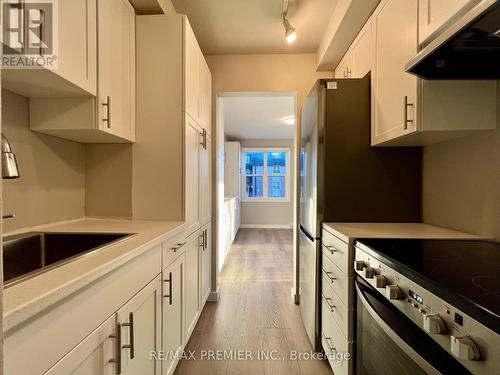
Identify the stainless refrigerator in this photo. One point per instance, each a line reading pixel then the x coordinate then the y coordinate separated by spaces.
pixel 344 179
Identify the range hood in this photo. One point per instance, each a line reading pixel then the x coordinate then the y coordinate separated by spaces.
pixel 467 48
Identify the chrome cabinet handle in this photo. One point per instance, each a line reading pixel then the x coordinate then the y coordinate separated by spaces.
pixel 108 111
pixel 329 343
pixel 205 239
pixel 118 349
pixel 349 73
pixel 202 238
pixel 130 325
pixel 405 110
pixel 169 295
pixel 331 249
pixel 329 275
pixel 328 302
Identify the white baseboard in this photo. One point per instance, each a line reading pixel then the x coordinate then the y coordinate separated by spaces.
pixel 267 226
pixel 214 296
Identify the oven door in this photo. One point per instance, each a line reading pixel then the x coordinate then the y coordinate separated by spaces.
pixel 387 342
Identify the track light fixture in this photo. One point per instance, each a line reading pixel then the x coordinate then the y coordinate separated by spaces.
pixel 290 32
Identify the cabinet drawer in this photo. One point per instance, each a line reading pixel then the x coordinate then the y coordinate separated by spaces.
pixel 337 250
pixel 338 310
pixel 337 280
pixel 172 248
pixel 335 345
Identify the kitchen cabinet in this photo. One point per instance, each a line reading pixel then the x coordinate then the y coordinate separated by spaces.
pixel 173 329
pixel 435 13
pixel 408 111
pixel 205 186
pixel 344 69
pixel 361 52
pixel 96 355
pixel 191 73
pixel 192 282
pixel 394 100
pixel 192 174
pixel 75 75
pixel 109 117
pixel 140 324
pixel 205 96
pixel 205 267
pixel 116 84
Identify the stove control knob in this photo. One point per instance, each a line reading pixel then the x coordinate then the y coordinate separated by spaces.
pixel 464 348
pixel 359 265
pixel 368 272
pixel 393 292
pixel 434 325
pixel 380 281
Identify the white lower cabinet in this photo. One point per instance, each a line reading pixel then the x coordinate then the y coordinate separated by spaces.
pixel 192 282
pixel 122 344
pixel 139 321
pixel 204 270
pixel 93 356
pixel 173 332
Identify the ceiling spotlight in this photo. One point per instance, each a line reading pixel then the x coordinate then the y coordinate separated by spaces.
pixel 288 120
pixel 290 32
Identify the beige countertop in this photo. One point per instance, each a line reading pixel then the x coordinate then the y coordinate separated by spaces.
pixel 27 298
pixel 396 230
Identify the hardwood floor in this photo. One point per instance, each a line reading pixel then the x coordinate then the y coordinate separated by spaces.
pixel 255 313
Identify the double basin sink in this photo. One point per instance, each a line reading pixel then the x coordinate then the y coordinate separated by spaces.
pixel 29 254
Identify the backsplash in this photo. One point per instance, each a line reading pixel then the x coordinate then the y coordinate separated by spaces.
pixel 461 184
pixel 52 183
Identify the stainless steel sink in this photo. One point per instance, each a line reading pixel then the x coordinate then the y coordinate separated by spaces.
pixel 29 254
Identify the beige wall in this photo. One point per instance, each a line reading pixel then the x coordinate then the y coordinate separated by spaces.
pixel 461 184
pixel 269 213
pixel 52 183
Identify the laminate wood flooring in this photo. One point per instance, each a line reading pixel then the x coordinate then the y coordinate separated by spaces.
pixel 254 313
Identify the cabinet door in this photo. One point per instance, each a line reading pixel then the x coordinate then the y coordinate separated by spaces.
pixel 173 330
pixel 192 282
pixel 205 250
pixel 116 68
pixel 394 91
pixel 191 73
pixel 341 69
pixel 205 182
pixel 140 324
pixel 192 175
pixel 93 356
pixel 362 52
pixel 77 53
pixel 434 13
pixel 205 95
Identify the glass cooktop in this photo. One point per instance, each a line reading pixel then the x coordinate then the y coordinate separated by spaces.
pixel 469 270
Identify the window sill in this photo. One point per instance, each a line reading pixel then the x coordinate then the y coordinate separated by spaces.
pixel 266 200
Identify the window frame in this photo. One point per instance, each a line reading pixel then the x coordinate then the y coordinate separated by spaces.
pixel 265 176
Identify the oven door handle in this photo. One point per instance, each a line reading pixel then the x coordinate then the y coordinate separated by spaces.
pixel 424 365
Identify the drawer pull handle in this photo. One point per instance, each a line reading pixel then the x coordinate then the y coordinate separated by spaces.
pixel 328 302
pixel 118 352
pixel 329 275
pixel 169 295
pixel 329 343
pixel 130 325
pixel 332 249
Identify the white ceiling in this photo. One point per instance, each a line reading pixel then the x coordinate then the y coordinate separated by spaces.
pixel 254 26
pixel 258 117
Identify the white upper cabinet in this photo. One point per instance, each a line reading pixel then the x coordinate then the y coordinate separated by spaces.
pixel 205 180
pixel 434 13
pixel 192 63
pixel 193 140
pixel 205 95
pixel 344 69
pixel 116 84
pixel 361 51
pixel 109 117
pixel 75 75
pixel 394 99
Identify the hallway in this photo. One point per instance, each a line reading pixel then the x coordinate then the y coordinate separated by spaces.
pixel 254 312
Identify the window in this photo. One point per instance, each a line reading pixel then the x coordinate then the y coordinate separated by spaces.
pixel 266 174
